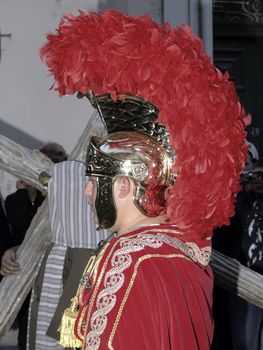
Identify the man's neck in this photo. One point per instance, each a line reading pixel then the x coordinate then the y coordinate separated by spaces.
pixel 140 222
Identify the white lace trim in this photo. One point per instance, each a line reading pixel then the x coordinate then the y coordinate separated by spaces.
pixel 114 278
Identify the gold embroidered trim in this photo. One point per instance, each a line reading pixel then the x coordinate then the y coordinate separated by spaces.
pixel 201 255
pixel 191 249
pixel 113 281
pixel 159 230
pixel 94 271
pixel 89 268
pixel 68 338
pixel 93 297
pixel 114 277
pixel 140 260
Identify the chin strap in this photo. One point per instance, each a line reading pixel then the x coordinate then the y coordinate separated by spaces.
pixel 104 205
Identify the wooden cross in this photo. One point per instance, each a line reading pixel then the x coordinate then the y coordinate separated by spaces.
pixel 8 35
pixel 27 165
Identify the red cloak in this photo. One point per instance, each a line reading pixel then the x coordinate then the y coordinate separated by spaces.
pixel 152 289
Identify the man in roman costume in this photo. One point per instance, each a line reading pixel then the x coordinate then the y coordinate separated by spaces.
pixel 162 179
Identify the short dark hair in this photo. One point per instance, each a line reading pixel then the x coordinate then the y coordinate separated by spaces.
pixel 55 152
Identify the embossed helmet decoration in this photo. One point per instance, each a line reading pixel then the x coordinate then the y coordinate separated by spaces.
pixel 147 80
pixel 136 146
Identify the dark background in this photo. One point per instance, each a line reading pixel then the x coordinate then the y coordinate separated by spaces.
pixel 238 49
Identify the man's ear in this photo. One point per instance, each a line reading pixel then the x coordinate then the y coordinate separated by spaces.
pixel 123 186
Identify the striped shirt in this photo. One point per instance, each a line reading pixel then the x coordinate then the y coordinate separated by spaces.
pixel 72 225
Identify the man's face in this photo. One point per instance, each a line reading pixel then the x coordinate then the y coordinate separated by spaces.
pixel 91 194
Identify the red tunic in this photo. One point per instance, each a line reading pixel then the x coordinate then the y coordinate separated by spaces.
pixel 152 290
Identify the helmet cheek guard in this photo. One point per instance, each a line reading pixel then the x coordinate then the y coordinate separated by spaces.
pixel 137 156
pixel 104 203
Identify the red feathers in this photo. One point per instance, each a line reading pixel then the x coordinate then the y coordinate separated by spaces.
pixel 113 52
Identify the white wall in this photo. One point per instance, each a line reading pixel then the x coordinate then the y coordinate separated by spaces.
pixel 25 100
pixel 197 13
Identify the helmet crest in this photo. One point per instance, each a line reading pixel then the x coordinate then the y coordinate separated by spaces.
pixel 117 54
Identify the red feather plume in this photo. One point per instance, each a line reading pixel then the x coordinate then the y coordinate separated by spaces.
pixel 113 52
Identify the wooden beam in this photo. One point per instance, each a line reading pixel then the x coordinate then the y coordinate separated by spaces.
pixel 27 165
pixel 238 279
